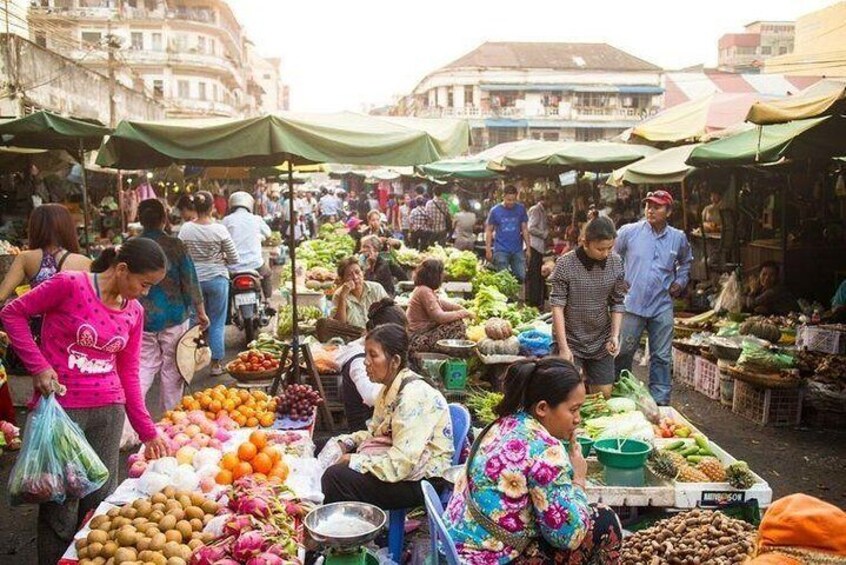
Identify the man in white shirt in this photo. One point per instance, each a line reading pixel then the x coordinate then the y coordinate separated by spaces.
pixel 538 233
pixel 248 231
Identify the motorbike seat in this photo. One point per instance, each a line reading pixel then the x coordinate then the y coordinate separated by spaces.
pixel 245 272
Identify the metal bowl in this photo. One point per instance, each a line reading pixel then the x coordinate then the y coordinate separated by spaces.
pixel 318 522
pixel 456 346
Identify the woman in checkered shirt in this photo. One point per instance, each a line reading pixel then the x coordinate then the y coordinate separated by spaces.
pixel 588 288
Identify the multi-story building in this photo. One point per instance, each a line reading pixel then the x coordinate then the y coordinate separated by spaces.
pixel 191 55
pixel 267 75
pixel 820 45
pixel 550 91
pixel 746 52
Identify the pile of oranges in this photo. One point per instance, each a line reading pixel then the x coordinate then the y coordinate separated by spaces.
pixel 247 409
pixel 254 457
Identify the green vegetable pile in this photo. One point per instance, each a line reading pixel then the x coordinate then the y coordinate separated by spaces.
pixel 482 403
pixel 305 314
pixel 594 406
pixel 406 256
pixel 491 303
pixel 331 245
pixel 461 265
pixel 503 281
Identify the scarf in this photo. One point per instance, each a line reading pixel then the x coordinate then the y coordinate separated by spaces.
pixel 589 263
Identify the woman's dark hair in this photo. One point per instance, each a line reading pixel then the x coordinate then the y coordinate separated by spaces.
pixel 464 205
pixel 528 382
pixel 203 202
pixel 186 202
pixel 601 228
pixel 52 225
pixel 384 312
pixel 372 213
pixel 152 214
pixel 140 254
pixel 393 338
pixel 345 264
pixel 430 273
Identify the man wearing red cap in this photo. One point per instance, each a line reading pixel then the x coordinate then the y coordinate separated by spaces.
pixel 657 258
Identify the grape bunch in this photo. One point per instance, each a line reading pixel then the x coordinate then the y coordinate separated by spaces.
pixel 297 402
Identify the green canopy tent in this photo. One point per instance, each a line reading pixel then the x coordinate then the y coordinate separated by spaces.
pixel 473 167
pixel 554 157
pixel 45 130
pixel 297 139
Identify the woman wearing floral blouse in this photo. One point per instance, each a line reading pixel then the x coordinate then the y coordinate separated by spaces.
pixel 408 439
pixel 523 499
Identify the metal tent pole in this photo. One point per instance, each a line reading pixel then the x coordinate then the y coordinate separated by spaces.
pixel 85 218
pixel 292 249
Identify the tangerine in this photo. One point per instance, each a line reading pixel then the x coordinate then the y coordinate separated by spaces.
pixel 229 461
pixel 262 463
pixel 246 451
pixel 252 422
pixel 215 406
pixel 260 476
pixel 258 438
pixel 266 420
pixel 279 471
pixel 241 469
pixel 223 477
pixel 273 452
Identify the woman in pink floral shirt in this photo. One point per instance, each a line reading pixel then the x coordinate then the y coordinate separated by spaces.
pixel 523 498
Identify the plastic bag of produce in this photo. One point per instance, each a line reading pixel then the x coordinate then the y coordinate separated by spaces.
pixel 756 357
pixel 535 343
pixel 627 386
pixel 56 462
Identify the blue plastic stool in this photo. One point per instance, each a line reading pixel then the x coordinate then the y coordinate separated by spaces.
pixel 460 421
pixel 437 528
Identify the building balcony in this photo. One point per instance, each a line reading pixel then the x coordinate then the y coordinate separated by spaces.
pixel 191 107
pixel 204 61
pixel 592 114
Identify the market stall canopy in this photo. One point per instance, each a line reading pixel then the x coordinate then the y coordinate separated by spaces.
pixel 270 140
pixel 826 97
pixel 823 137
pixel 45 130
pixel 666 167
pixel 697 119
pixel 17 159
pixel 473 167
pixel 556 157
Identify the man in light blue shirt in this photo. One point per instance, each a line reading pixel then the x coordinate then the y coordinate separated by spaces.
pixel 248 230
pixel 657 259
pixel 331 207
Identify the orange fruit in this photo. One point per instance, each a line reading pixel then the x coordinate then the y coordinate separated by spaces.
pixel 228 405
pixel 224 477
pixel 262 463
pixel 215 406
pixel 252 422
pixel 229 461
pixel 258 438
pixel 243 409
pixel 241 419
pixel 211 415
pixel 279 471
pixel 273 452
pixel 260 476
pixel 266 420
pixel 241 469
pixel 260 394
pixel 246 451
pixel 243 395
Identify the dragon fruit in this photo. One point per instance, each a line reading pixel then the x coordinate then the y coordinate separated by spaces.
pixel 208 555
pixel 266 559
pixel 248 544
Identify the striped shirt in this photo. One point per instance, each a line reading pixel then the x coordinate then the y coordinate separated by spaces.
pixel 588 298
pixel 211 248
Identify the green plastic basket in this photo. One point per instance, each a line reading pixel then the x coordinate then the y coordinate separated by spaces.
pixel 585 442
pixel 621 453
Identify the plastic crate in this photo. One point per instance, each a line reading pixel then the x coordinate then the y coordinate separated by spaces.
pixel 707 378
pixel 767 406
pixel 331 386
pixel 683 367
pixel 824 339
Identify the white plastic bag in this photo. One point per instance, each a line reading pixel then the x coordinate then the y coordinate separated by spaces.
pixel 329 455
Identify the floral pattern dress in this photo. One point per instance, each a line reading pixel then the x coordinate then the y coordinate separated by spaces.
pixel 521 478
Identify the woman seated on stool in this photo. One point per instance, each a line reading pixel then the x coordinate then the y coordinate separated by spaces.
pixel 358 392
pixel 523 498
pixel 408 439
pixel 355 295
pixel 430 318
pixel 376 267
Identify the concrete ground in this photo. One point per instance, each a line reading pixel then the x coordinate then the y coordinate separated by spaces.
pixel 790 459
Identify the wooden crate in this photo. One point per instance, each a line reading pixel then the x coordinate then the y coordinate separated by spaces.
pixel 767 406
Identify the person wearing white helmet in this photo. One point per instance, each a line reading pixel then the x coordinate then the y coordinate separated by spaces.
pixel 248 231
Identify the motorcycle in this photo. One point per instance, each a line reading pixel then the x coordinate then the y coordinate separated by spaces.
pixel 247 308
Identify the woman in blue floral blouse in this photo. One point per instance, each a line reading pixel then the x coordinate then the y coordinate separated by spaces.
pixel 523 498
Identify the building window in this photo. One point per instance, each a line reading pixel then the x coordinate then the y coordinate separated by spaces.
pixel 468 96
pixel 201 44
pixel 183 89
pixel 589 134
pixel 450 99
pixel 212 46
pixel 41 39
pixel 766 50
pixel 137 41
pixel 202 93
pixel 158 88
pixel 90 38
pixel 782 50
pixel 157 42
pixel 215 93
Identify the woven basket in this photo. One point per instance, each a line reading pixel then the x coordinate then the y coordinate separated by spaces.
pixel 682 332
pixel 251 376
pixel 765 380
pixel 327 328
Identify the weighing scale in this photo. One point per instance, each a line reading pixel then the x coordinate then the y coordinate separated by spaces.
pixel 346 549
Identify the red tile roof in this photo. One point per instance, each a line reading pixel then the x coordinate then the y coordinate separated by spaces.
pixel 556 56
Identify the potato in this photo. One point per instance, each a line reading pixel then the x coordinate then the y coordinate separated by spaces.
pixel 177 513
pixel 143 506
pixel 80 543
pixel 97 521
pixel 210 507
pixel 110 561
pixel 156 515
pixel 186 552
pixel 126 538
pixel 105 526
pixel 143 544
pixel 85 561
pixel 98 561
pixel 171 504
pixel 207 537
pixel 97 536
pixel 173 535
pixel 125 555
pixel 128 512
pixel 109 549
pixel 194 512
pixel 196 525
pixel 94 549
pixel 172 549
pixel 82 553
pixel 184 501
pixel 158 498
pixel 194 544
pixel 159 507
pixel 158 542
pixel 113 513
pixel 197 499
pixel 120 521
pixel 207 518
pixel 145 555
pixel 167 522
pixel 169 491
pixel 159 559
pixel 176 561
pixel 184 528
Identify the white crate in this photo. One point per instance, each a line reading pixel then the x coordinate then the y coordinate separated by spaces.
pixel 824 339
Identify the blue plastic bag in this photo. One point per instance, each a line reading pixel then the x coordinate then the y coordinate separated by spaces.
pixel 56 462
pixel 535 343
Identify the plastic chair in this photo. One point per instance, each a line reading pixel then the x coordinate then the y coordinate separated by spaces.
pixel 460 420
pixel 437 528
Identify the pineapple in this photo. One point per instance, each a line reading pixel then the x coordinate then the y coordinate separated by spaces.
pixel 688 474
pixel 664 465
pixel 712 467
pixel 739 476
pixel 676 457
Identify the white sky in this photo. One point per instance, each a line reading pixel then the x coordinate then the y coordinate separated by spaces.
pixel 343 55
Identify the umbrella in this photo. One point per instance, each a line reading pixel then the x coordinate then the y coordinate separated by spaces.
pixel 45 130
pixel 697 119
pixel 296 138
pixel 668 166
pixel 555 157
pixel 824 98
pixel 822 137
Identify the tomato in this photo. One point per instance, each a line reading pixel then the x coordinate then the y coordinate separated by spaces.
pixel 266 364
pixel 243 355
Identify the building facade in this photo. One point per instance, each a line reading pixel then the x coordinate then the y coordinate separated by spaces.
pixel 746 52
pixel 820 45
pixel 549 91
pixel 193 56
